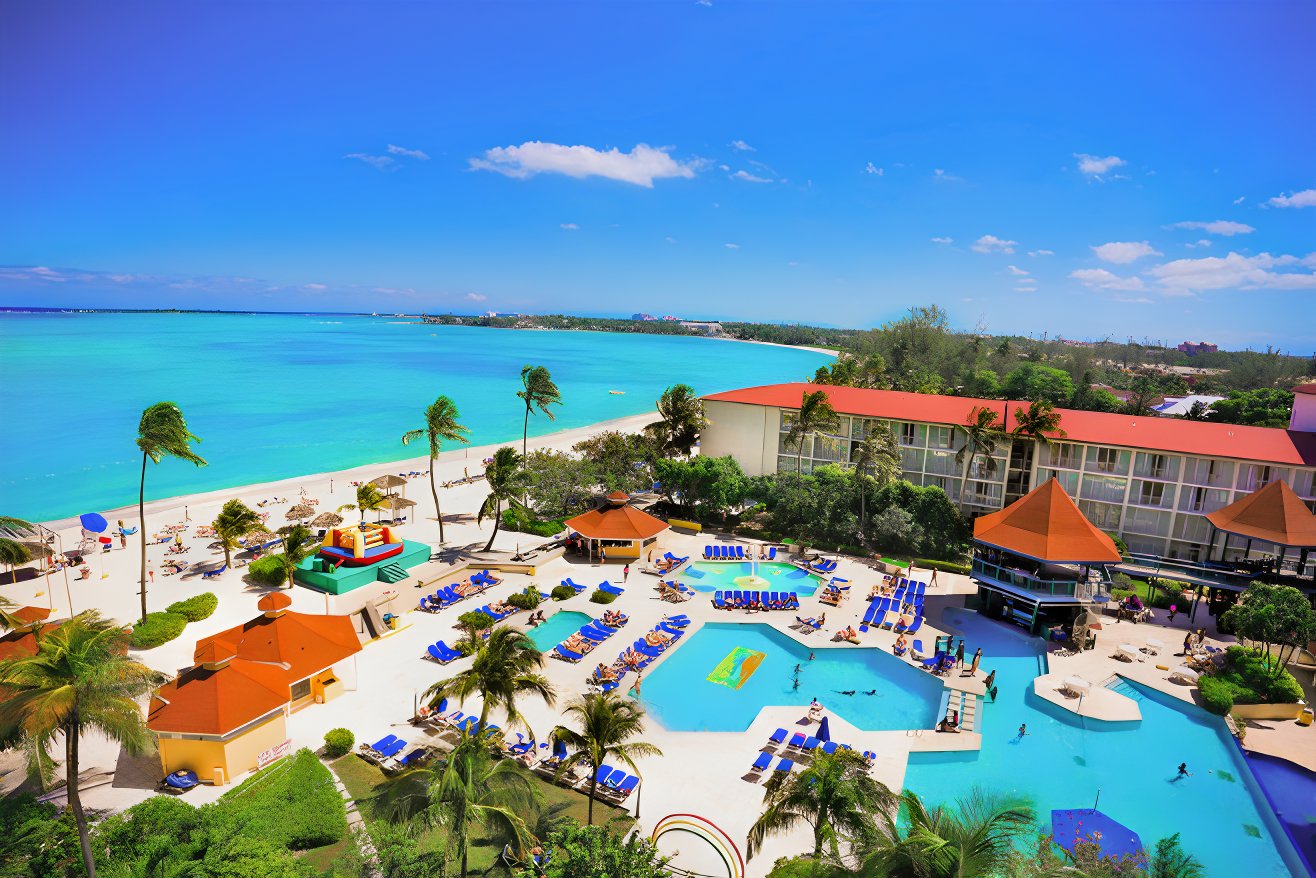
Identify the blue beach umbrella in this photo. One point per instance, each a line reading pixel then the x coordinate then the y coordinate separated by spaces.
pixel 94 522
pixel 824 731
pixel 1068 827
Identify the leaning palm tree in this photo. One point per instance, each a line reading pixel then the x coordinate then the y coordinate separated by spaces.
pixel 607 726
pixel 538 391
pixel 298 543
pixel 682 421
pixel 440 426
pixel 506 481
pixel 235 520
pixel 835 796
pixel 981 433
pixel 80 678
pixel 13 552
pixel 816 415
pixel 368 499
pixel 506 666
pixel 877 456
pixel 974 838
pixel 161 433
pixel 1039 421
pixel 468 791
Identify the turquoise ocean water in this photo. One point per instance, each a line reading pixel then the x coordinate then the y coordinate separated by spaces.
pixel 276 396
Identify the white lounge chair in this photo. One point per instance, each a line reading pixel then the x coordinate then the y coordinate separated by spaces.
pixel 1077 686
pixel 1127 651
pixel 1154 646
pixel 1185 673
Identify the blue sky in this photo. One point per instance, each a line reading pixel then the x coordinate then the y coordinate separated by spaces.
pixel 1080 169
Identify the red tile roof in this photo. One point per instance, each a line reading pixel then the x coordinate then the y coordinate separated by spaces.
pixel 1274 514
pixel 1265 444
pixel 1305 388
pixel 210 700
pixel 1046 525
pixel 306 644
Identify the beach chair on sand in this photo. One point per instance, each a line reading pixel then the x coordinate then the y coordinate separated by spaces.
pixel 566 655
pixel 777 737
pixel 210 574
pixel 442 653
pixel 916 652
pixel 608 587
pixel 761 764
pixel 785 765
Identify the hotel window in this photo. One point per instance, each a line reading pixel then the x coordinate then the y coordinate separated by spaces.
pixel 1192 528
pixel 942 463
pixel 301 689
pixel 911 460
pixel 1067 480
pixel 1156 466
pixel 1147 521
pixel 906 434
pixel 941 437
pixel 1065 455
pixel 1104 515
pixel 1108 460
pixel 1208 471
pixel 1151 494
pixel 1304 483
pixel 1107 490
pixel 1253 476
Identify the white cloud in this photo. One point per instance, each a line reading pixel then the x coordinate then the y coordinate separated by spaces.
pixel 1305 198
pixel 670 240
pixel 476 297
pixel 1124 252
pixel 1016 271
pixel 747 177
pixel 1228 228
pixel 570 227
pixel 871 168
pixel 641 166
pixel 940 175
pixel 378 162
pixel 993 244
pixel 314 287
pixel 1240 199
pixel 1105 280
pixel 732 246
pixel 1203 242
pixel 703 2
pixel 1025 289
pixel 1133 300
pixel 409 153
pixel 742 146
pixel 1236 271
pixel 942 240
pixel 1096 166
pixel 1041 253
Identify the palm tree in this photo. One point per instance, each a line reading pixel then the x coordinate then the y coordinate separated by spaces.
pixel 981 433
pixel 161 433
pixel 816 415
pixel 12 552
pixel 506 666
pixel 468 790
pixel 440 425
pixel 539 392
pixel 299 543
pixel 368 499
pixel 80 678
pixel 506 481
pixel 876 456
pixel 607 726
pixel 682 421
pixel 974 839
pixel 1040 421
pixel 835 795
pixel 234 521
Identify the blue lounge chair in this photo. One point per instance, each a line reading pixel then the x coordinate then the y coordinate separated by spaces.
pixel 810 744
pixel 211 573
pixel 761 764
pixel 565 654
pixel 785 765
pixel 627 786
pixel 772 553
pixel 441 654
pixel 596 633
pixel 383 742
pixel 675 632
pixel 416 755
pixel 918 650
pixel 811 624
pixel 393 749
pixel 918 623
pixel 614 780
pixel 604 772
pixel 933 662
pixel 740 553
pixel 777 737
pixel 718 602
pixel 796 741
pixel 830 747
pixel 611 589
pixel 679 618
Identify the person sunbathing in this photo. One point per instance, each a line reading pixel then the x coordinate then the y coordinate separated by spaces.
pixel 815 710
pixel 632 659
pixel 849 634
pixel 738 602
pixel 657 638
pixel 602 673
pixel 501 608
pixel 577 643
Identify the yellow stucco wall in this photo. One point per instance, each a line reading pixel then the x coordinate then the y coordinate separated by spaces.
pixel 219 762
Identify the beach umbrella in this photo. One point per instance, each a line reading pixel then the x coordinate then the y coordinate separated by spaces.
pixel 824 730
pixel 396 503
pixel 1068 827
pixel 94 522
pixel 327 519
pixel 388 481
pixel 259 537
pixel 298 512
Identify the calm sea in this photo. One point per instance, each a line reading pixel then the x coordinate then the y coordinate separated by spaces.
pixel 278 396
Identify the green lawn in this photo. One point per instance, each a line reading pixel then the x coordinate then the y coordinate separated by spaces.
pixel 365 782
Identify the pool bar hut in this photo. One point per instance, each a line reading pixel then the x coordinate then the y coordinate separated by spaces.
pixel 617 528
pixel 1280 521
pixel 1039 562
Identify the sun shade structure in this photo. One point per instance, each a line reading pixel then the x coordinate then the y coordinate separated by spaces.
pixel 1274 514
pixel 1046 525
pixel 1069 827
pixel 617 527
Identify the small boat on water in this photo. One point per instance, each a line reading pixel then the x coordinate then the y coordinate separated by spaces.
pixel 617 392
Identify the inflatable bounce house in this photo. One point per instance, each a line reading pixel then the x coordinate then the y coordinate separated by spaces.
pixel 351 557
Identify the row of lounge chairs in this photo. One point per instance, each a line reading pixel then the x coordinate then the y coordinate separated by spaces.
pixel 822 565
pixel 883 614
pixel 392 753
pixel 641 654
pixel 800 747
pixel 448 595
pixel 736 552
pixel 595 632
pixel 675 591
pixel 756 600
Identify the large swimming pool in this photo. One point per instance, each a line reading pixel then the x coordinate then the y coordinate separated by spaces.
pixel 754 666
pixel 721 576
pixel 1065 761
pixel 556 629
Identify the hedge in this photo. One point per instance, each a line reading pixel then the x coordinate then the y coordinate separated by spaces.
pixel 195 608
pixel 1245 680
pixel 157 628
pixel 943 566
pixel 292 804
pixel 338 742
pixel 266 571
pixel 602 597
pixel 515 519
pixel 525 600
pixel 562 592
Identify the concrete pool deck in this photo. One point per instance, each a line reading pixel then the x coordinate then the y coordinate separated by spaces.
pixel 1098 702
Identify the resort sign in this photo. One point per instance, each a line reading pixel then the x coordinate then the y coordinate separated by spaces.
pixel 274 754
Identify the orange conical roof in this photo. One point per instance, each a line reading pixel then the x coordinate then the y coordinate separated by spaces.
pixel 1274 514
pixel 1046 525
pixel 273 602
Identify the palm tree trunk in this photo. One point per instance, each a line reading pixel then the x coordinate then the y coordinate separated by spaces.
pixel 863 504
pixel 498 519
pixel 438 513
pixel 71 735
pixel 525 430
pixel 799 458
pixel 464 853
pixel 593 788
pixel 141 529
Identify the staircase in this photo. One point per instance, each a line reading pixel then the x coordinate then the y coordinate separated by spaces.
pixel 966 705
pixel 391 573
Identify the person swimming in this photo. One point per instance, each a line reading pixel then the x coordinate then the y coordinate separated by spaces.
pixel 871 692
pixel 846 691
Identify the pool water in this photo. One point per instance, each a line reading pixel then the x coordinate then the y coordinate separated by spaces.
pixel 722 575
pixel 680 695
pixel 558 628
pixel 1065 761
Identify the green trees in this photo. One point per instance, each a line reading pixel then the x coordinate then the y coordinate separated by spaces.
pixel 537 391
pixel 854 370
pixel 816 415
pixel 981 433
pixel 617 461
pixel 973 839
pixel 506 667
pixel 441 426
pixel 1276 619
pixel 682 413
pixel 235 520
pixel 709 484
pixel 608 728
pixel 1040 421
pixel 834 796
pixel 298 543
pixel 368 499
pixel 80 678
pixel 162 432
pixel 591 851
pixel 506 484
pixel 1263 407
pixel 877 457
pixel 1033 381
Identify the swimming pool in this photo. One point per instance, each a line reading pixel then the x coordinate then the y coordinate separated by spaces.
pixel 721 576
pixel 1065 761
pixel 559 626
pixel 754 667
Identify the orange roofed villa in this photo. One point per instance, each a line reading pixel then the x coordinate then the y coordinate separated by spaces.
pixel 226 715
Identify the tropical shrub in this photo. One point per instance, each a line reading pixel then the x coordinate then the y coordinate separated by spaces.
pixel 562 592
pixel 37 839
pixel 292 804
pixel 338 742
pixel 519 519
pixel 600 596
pixel 267 571
pixel 525 600
pixel 1246 679
pixel 195 608
pixel 943 566
pixel 590 851
pixel 157 628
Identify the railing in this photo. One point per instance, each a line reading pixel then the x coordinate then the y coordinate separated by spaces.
pixel 1074 588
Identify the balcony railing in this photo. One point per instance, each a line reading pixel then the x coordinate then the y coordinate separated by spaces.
pixel 1027 582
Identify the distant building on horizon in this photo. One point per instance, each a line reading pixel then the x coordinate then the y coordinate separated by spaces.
pixel 703 326
pixel 1192 349
pixel 643 317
